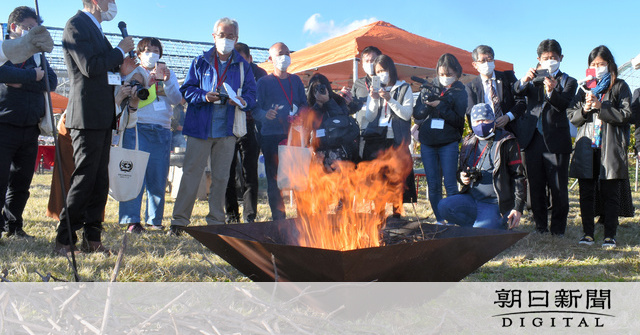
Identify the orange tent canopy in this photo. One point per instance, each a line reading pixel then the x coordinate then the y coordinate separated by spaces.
pixel 338 58
pixel 59 102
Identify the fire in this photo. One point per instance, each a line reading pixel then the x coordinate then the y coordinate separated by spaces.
pixel 345 209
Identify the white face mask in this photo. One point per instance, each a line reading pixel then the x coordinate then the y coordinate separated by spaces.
pixel 224 45
pixel 446 81
pixel 486 68
pixel 110 13
pixel 148 60
pixel 281 62
pixel 601 71
pixel 368 68
pixel 24 33
pixel 384 77
pixel 550 64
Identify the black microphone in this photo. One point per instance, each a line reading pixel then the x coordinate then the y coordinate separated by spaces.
pixel 418 79
pixel 123 29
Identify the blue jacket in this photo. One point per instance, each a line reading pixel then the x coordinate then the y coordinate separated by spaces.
pixel 202 77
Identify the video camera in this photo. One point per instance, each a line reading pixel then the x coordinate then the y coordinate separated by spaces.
pixel 428 91
pixel 141 92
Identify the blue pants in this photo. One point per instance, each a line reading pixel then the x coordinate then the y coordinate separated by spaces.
pixel 155 140
pixel 440 162
pixel 463 210
pixel 269 145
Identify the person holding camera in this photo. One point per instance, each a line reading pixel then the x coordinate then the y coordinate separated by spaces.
pixel 599 162
pixel 440 110
pixel 153 128
pixel 493 191
pixel 336 134
pixel 281 97
pixel 494 88
pixel 544 135
pixel 389 108
pixel 208 124
pixel 22 106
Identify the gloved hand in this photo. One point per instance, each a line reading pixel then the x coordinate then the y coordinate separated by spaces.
pixel 20 49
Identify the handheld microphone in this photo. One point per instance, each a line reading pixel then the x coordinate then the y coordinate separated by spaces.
pixel 123 29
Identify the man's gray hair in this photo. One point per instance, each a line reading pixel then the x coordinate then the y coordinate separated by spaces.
pixel 482 50
pixel 227 22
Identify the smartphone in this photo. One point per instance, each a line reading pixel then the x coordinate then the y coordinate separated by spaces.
pixel 591 83
pixel 375 83
pixel 542 73
pixel 161 68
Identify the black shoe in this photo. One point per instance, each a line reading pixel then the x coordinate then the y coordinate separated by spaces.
pixel 18 232
pixel 175 230
pixel 231 219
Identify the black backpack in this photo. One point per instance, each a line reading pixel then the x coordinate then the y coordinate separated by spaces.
pixel 338 130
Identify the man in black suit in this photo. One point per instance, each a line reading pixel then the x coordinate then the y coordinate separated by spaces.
pixel 494 88
pixel 92 64
pixel 543 133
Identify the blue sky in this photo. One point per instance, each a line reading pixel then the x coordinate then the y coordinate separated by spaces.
pixel 512 28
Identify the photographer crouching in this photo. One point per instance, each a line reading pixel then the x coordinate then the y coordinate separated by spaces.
pixel 494 189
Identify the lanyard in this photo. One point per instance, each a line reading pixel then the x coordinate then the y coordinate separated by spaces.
pixel 221 78
pixel 289 100
pixel 488 145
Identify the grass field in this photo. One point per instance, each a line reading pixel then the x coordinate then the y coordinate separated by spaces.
pixel 155 257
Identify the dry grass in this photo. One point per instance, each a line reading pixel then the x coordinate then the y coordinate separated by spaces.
pixel 153 256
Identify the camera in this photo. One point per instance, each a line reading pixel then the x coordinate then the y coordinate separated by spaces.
pixel 540 75
pixel 321 89
pixel 141 92
pixel 224 97
pixel 473 173
pixel 428 91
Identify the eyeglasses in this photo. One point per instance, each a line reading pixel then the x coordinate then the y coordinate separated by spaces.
pixel 485 60
pixel 223 35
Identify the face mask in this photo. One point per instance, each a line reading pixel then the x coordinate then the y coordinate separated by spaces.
pixel 601 71
pixel 149 59
pixel 110 13
pixel 486 68
pixel 551 64
pixel 225 45
pixel 483 130
pixel 368 68
pixel 446 81
pixel 282 62
pixel 384 77
pixel 24 33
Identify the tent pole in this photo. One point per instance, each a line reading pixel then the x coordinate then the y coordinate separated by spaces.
pixel 355 70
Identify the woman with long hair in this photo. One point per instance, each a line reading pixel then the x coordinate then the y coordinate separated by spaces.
pixel 599 159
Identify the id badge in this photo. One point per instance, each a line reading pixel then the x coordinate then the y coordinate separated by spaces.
pixel 159 105
pixel 437 124
pixel 294 110
pixel 384 122
pixel 320 133
pixel 114 78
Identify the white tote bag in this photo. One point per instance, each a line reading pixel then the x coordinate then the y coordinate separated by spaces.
pixel 293 161
pixel 126 171
pixel 240 117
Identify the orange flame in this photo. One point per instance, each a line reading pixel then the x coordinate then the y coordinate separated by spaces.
pixel 345 209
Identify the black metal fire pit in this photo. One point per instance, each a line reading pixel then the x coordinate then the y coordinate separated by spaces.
pixel 448 253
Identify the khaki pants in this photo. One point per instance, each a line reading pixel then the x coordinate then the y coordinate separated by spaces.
pixel 220 150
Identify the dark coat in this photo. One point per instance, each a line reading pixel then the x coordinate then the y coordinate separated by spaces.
pixel 23 106
pixel 616 117
pixel 635 111
pixel 88 56
pixel 552 110
pixel 509 181
pixel 452 109
pixel 508 101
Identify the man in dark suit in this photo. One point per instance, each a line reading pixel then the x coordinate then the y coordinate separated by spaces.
pixel 494 88
pixel 544 135
pixel 92 64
